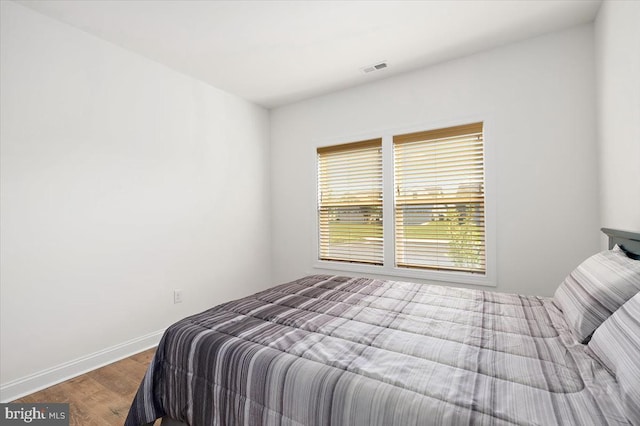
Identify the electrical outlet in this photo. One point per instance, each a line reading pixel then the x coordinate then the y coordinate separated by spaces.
pixel 177 296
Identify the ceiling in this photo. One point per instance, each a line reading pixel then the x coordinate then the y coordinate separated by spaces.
pixel 277 52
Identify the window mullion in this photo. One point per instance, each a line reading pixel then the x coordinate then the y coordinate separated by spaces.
pixel 388 202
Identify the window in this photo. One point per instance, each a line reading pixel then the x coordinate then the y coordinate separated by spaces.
pixel 430 184
pixel 350 202
pixel 439 199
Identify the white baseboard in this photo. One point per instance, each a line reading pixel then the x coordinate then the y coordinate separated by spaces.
pixel 26 385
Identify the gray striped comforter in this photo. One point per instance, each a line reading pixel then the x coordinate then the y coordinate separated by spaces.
pixel 330 350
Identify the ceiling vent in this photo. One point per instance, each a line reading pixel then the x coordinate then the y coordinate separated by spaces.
pixel 377 67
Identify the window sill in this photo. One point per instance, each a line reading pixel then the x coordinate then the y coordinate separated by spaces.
pixel 394 272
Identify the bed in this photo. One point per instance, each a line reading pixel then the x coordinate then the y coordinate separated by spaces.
pixel 334 350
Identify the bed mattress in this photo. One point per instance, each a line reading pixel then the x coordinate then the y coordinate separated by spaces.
pixel 333 350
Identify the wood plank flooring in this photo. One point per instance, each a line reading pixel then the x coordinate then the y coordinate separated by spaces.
pixel 101 397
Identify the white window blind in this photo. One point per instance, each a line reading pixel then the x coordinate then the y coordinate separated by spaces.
pixel 439 199
pixel 350 202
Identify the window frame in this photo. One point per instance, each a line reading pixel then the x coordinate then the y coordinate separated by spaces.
pixel 335 158
pixel 444 153
pixel 388 268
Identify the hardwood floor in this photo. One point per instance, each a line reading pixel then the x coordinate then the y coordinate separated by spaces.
pixel 101 397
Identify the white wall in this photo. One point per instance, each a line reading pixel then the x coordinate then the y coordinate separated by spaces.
pixel 617 33
pixel 540 98
pixel 121 180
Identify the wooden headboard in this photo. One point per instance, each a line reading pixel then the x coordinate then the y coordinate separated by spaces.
pixel 628 241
